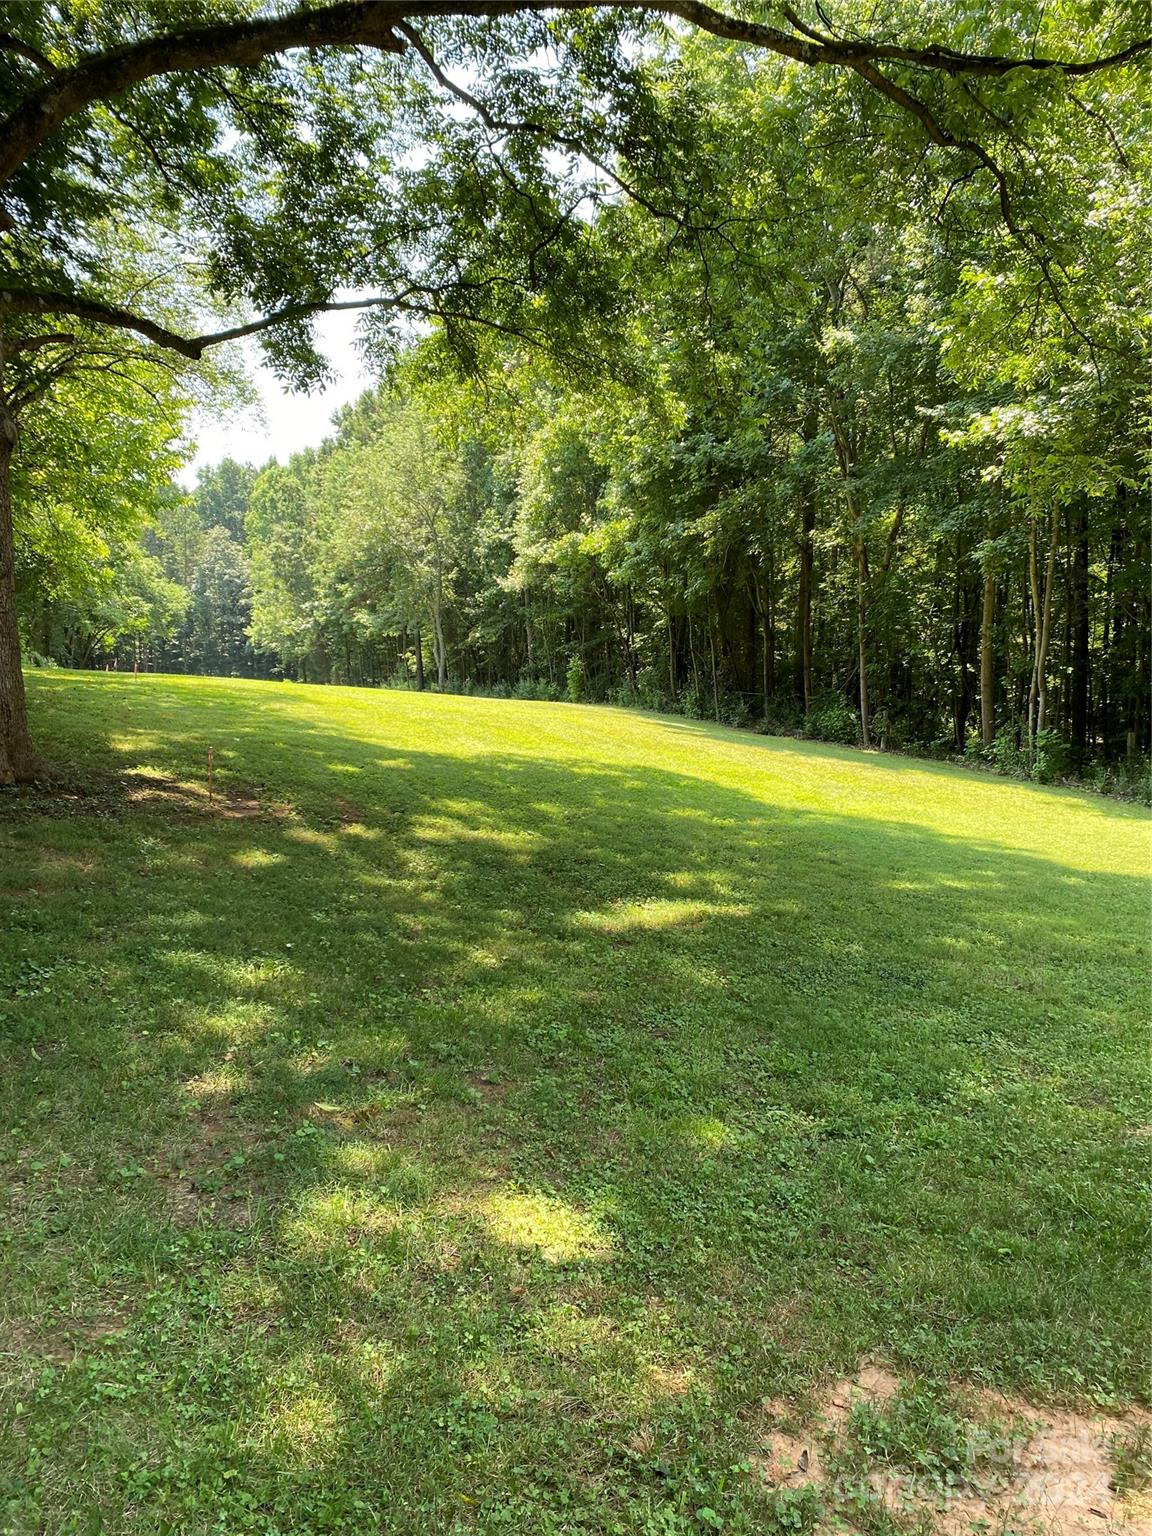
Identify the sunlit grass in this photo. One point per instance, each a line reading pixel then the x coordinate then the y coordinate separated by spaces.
pixel 471 1116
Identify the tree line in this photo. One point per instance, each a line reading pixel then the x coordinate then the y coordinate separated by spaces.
pixel 764 373
pixel 815 538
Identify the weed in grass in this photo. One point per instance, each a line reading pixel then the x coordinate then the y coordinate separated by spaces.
pixel 1131 1453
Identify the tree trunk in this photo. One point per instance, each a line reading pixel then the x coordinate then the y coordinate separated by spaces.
pixel 988 661
pixel 715 684
pixel 692 659
pixel 862 639
pixel 804 604
pixel 1078 702
pixel 438 627
pixel 1034 591
pixel 804 598
pixel 1044 627
pixel 768 649
pixel 18 762
pixel 630 638
pixel 419 661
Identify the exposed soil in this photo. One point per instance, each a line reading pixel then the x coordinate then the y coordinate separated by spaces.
pixel 1053 1479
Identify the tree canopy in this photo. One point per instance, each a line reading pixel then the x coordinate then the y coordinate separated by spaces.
pixel 858 281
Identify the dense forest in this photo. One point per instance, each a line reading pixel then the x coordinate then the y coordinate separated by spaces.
pixel 787 416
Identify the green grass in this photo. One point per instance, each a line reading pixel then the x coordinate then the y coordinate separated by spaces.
pixel 478 1113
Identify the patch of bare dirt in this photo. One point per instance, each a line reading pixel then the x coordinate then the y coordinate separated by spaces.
pixel 351 814
pixel 490 1088
pixel 223 801
pixel 792 1461
pixel 1052 1475
pixel 872 1385
pixel 106 795
pixel 27 1344
pixel 207 1175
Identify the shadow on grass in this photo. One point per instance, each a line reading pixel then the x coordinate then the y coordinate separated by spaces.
pixel 482 1140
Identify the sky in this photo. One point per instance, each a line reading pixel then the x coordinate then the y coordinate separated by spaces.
pixel 282 423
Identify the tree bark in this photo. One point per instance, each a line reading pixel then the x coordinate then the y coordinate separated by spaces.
pixel 715 684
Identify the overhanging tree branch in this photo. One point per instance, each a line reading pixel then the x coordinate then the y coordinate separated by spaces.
pixel 15 301
pixel 372 24
pixel 17 45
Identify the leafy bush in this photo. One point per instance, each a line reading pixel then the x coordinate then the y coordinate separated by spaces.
pixel 537 688
pixel 1051 758
pixel 1129 779
pixel 576 681
pixel 692 703
pixel 1045 762
pixel 830 719
pixel 734 711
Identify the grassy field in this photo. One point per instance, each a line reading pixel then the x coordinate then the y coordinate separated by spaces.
pixel 492 1116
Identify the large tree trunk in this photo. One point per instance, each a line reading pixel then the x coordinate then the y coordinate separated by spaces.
pixel 988 661
pixel 18 761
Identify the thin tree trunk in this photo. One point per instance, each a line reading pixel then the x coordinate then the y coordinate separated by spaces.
pixel 988 661
pixel 804 597
pixel 1034 590
pixel 438 624
pixel 862 639
pixel 715 685
pixel 804 603
pixel 18 761
pixel 1045 627
pixel 767 653
pixel 1078 703
pixel 420 684
pixel 692 658
pixel 630 638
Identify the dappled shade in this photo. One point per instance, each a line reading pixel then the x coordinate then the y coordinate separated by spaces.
pixel 479 1110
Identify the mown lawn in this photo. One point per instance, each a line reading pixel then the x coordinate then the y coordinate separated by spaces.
pixel 480 1113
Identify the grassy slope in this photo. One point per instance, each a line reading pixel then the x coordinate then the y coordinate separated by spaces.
pixel 480 1135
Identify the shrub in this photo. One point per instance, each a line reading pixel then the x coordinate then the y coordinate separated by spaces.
pixel 1051 758
pixel 830 719
pixel 691 702
pixel 576 681
pixel 734 711
pixel 537 688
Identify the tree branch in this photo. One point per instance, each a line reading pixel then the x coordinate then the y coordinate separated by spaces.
pixel 16 301
pixel 10 44
pixel 541 130
pixel 371 24
pixel 35 343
